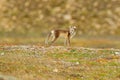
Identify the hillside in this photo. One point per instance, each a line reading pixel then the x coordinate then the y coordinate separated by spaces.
pixel 93 17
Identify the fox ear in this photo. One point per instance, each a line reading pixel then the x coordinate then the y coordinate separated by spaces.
pixel 75 27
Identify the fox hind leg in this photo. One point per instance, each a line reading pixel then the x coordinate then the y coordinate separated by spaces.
pixel 54 38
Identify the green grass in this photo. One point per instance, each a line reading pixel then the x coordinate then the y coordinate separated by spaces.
pixel 61 63
pixel 100 42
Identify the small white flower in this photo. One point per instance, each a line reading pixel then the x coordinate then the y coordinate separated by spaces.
pixel 77 63
pixel 2 53
pixel 117 53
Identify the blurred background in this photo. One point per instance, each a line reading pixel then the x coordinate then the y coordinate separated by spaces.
pixel 29 21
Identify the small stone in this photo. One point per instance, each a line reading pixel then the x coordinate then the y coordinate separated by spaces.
pixel 55 70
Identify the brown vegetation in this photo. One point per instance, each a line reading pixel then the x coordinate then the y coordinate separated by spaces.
pixel 29 16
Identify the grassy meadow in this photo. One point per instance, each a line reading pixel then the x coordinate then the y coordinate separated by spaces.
pixel 86 59
pixel 58 62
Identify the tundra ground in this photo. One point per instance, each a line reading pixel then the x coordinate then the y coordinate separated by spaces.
pixel 33 62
